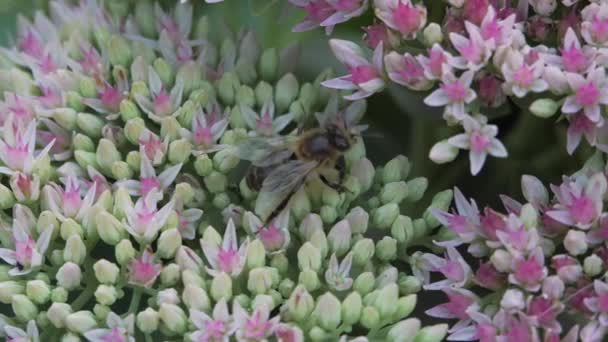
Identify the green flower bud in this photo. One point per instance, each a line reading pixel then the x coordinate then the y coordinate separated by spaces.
pixel 443 152
pixel 309 279
pixel 384 216
pixel 405 306
pixel 286 92
pixel 90 124
pixel 317 334
pixel 319 240
pixel 280 262
pixel 593 265
pixel 243 300
pixel 110 230
pixel 59 295
pixel 38 291
pixel 221 287
pixel 69 228
pixel 56 257
pixel 544 108
pixel 433 333
pixel 286 287
pixel 106 272
pixel 170 127
pixel 187 259
pixel 179 151
pixel 7 200
pixel 401 228
pixel 227 88
pixel 393 192
pixel 309 257
pixel 121 170
pixel 328 214
pixel 256 254
pixel 168 243
pixel 225 161
pixel 69 276
pixel 196 298
pixel 330 197
pixel 147 321
pixel 184 193
pixel 216 182
pixel 119 51
pixel 124 252
pixel 83 143
pixel 133 130
pixel 404 331
pixel 339 238
pixel 370 318
pixel 385 302
pixel 170 275
pixel 164 71
pixel 65 117
pixel 87 87
pixel 203 165
pixel 432 34
pixel 269 64
pixel 23 308
pixel 106 294
pixel 417 187
pixel 300 304
pixel 386 249
pixel 308 96
pixel 201 29
pixel 300 114
pixel 396 170
pixel 129 110
pixel 70 337
pixel 364 283
pixel 75 250
pixel 74 101
pixel 80 321
pixel 363 171
pixel 4 275
pixel 144 17
pixel 529 216
pixel 9 289
pixel 363 252
pixel 190 75
pixel 139 88
pixel 105 201
pixel 221 201
pixel 173 317
pixel 409 285
pixel 86 159
pixel 134 160
pixel 263 93
pixel 351 308
pixel 57 314
pixel 327 311
pixel 259 280
pixel 262 300
pixel 235 118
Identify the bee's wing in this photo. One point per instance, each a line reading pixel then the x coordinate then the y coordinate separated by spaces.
pixel 280 184
pixel 263 151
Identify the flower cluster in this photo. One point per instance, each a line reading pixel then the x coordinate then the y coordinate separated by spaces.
pixel 125 211
pixel 542 261
pixel 478 55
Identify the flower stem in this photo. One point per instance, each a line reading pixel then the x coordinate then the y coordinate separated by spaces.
pixel 84 296
pixel 137 292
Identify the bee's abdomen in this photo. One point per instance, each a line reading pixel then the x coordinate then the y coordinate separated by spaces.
pixel 255 177
pixel 316 148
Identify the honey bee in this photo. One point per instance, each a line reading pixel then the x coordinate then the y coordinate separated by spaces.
pixel 280 166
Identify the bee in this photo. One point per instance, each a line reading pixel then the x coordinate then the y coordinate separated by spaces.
pixel 280 166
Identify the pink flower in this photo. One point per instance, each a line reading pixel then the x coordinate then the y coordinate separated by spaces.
pixel 543 312
pixel 317 12
pixel 145 220
pixel 580 201
pixel 69 201
pixel 59 137
pixel 494 31
pixel 401 16
pixel 594 27
pixel 206 130
pixel 144 270
pixel 161 103
pixel 28 254
pixel 228 257
pixel 529 272
pixel 453 267
pixel 15 334
pixel 407 71
pixel 376 34
pixel 109 99
pixel 487 276
pixel 118 330
pixel 520 77
pixel 490 91
pixel 19 107
pixel 516 237
pixel 436 63
pixel 365 77
pixel 464 222
pixel 217 328
pixel 255 327
pixel 148 180
pixel 275 235
pixel 338 274
pixel 475 51
pixel 344 11
pixel 599 303
pixel 581 125
pixel 288 333
pixel 460 302
pixel 17 147
pixel 475 10
pixel 575 58
pixel 454 93
pixel 265 123
pixel 480 139
pixel 187 221
pixel 589 94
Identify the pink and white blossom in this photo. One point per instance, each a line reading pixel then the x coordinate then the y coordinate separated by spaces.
pixel 579 201
pixel 594 27
pixel 317 12
pixel 256 326
pixel 118 330
pixel 402 16
pixel 460 302
pixel 475 51
pixel 407 71
pixel 522 78
pixel 17 147
pixel 69 201
pixel 148 180
pixel 265 123
pixel 14 334
pixel 338 274
pixel 344 11
pixel 28 254
pixel 453 94
pixel 599 303
pixel 530 271
pixel 453 266
pixel 590 94
pixel 207 128
pixel 144 220
pixel 144 270
pixel 219 327
pixel 161 103
pixel 227 257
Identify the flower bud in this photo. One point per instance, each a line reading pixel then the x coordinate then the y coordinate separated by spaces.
pixel 268 64
pixel 433 333
pixel 351 308
pixel 69 276
pixel 119 51
pixel 38 291
pixel 263 93
pixel 179 151
pixel 409 285
pixel 386 249
pixel 256 254
pixel 57 314
pixel 147 320
pixel 300 304
pixel 23 308
pixel 364 283
pixel 168 243
pixel 385 302
pixel 65 117
pixel 358 220
pixel 370 318
pixel 363 171
pixel 70 337
pixel 328 214
pixel 187 259
pixel 83 143
pixel 553 287
pixel 259 280
pixel 529 216
pixel 106 294
pixel 80 321
pixel 90 124
pixel 593 265
pixel 128 110
pixel 417 187
pixel 286 91
pixel 309 257
pixel 225 161
pixel 395 170
pixel 513 300
pixel 7 199
pixel 327 311
pixel 110 230
pixel 170 274
pixel 575 242
pixel 404 331
pixel 203 165
pixel 227 88
pixel 432 34
pixel 393 192
pixel 221 287
pixel 124 252
pixel 69 228
pixel 384 216
pixel 501 260
pixel 122 200
pixel 173 318
pixel 121 170
pixel 544 108
pixel 262 300
pixel 59 295
pixel 196 298
pixel 339 238
pixel 86 159
pixel 363 251
pixel 168 296
pixel 216 182
pixel 75 250
pixel 311 223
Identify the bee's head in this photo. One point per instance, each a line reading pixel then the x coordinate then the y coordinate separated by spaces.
pixel 339 138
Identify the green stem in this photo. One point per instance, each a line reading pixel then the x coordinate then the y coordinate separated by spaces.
pixel 148 338
pixel 137 292
pixel 85 296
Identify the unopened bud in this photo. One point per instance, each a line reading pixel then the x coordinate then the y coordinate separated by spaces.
pixel 432 34
pixel 575 242
pixel 593 265
pixel 57 314
pixel 309 257
pixel 339 238
pixel 544 108
pixel 364 283
pixel 351 308
pixel 173 317
pixel 221 287
pixel 434 333
pixel 69 276
pixel 147 320
pixel 384 216
pixel 327 311
pixel 370 318
pixel 106 294
pixel 124 252
pixel 38 291
pixel 75 250
pixel 168 243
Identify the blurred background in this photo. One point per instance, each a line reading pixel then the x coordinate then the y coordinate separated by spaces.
pixel 399 122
